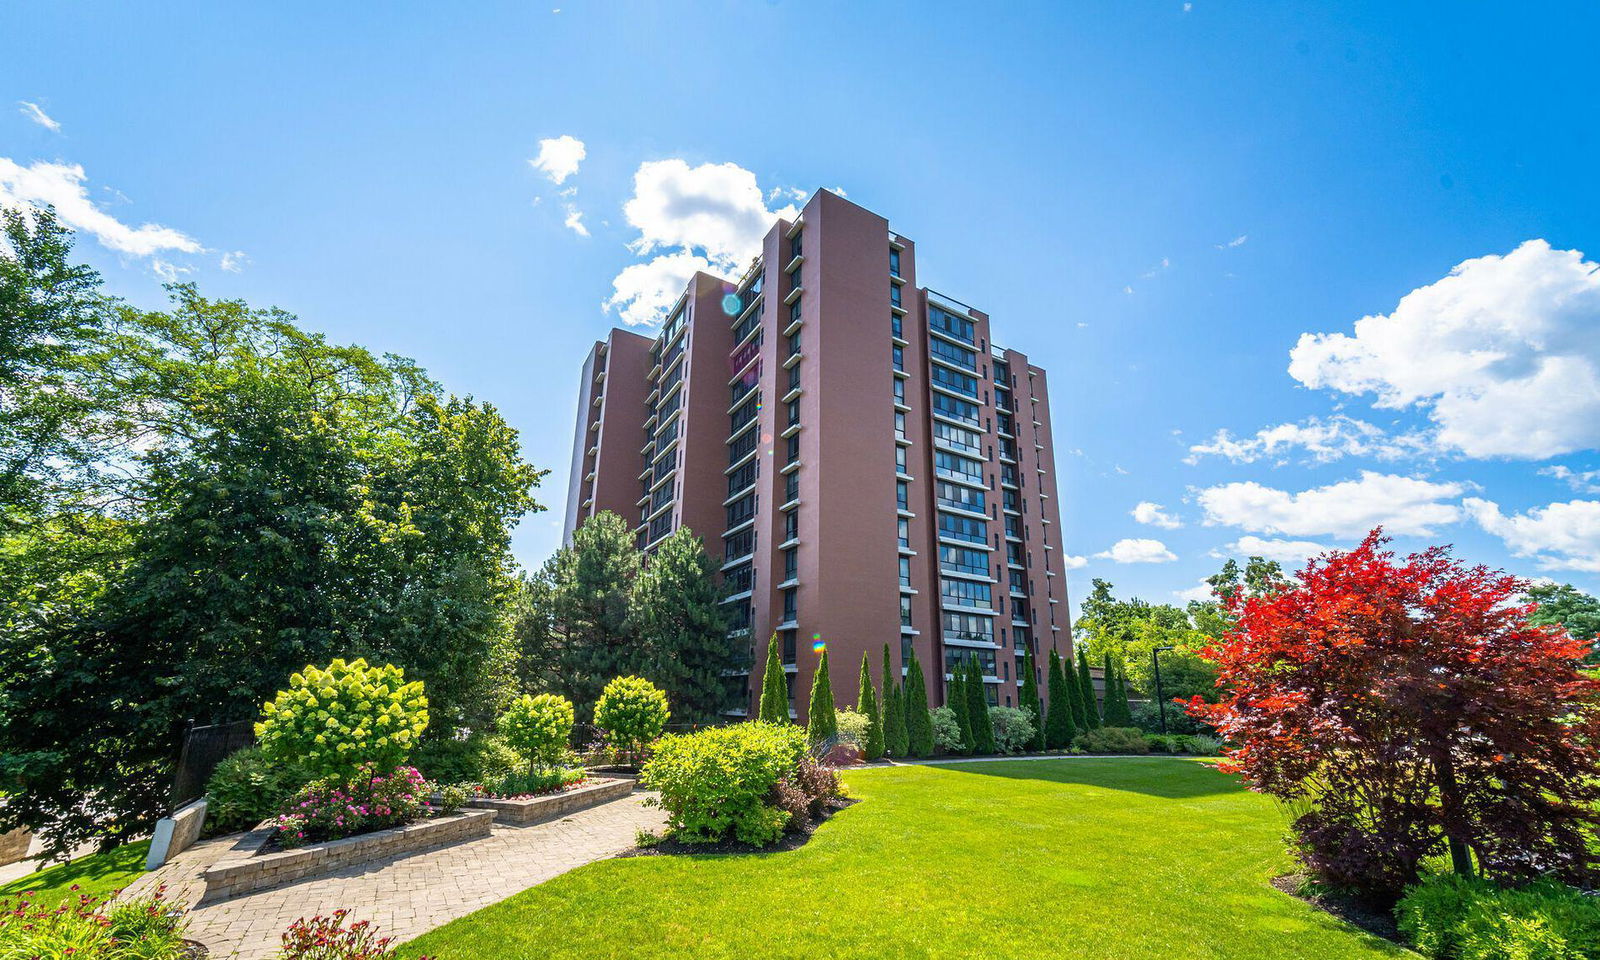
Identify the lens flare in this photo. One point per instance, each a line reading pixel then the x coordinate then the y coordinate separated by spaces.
pixel 817 645
pixel 730 305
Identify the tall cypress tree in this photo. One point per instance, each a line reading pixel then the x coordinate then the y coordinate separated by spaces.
pixel 978 710
pixel 774 687
pixel 822 723
pixel 1029 699
pixel 1086 683
pixel 919 725
pixel 867 703
pixel 1059 725
pixel 955 697
pixel 1069 674
pixel 1118 714
pixel 895 740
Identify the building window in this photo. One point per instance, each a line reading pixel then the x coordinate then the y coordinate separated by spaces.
pixel 790 605
pixel 900 459
pixel 794 311
pixel 899 353
pixel 905 611
pixel 905 532
pixel 791 487
pixel 794 411
pixel 794 279
pixel 894 261
pixel 905 571
pixel 791 563
pixel 899 425
pixel 902 495
pixel 896 327
pixel 951 325
pixel 789 649
pixel 794 377
pixel 791 525
pixel 794 343
pixel 894 294
pixel 899 393
pixel 793 450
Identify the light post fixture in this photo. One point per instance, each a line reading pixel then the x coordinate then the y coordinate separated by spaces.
pixel 1161 700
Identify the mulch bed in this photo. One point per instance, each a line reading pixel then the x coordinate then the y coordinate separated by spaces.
pixel 1363 914
pixel 791 841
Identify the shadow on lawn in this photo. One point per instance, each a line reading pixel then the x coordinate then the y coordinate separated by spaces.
pixel 1155 776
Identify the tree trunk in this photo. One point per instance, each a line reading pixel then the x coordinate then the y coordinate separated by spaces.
pixel 1450 801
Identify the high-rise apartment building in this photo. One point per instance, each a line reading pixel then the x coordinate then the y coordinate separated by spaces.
pixel 860 458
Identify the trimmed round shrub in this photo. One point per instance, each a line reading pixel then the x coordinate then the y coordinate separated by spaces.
pixel 246 788
pixel 715 783
pixel 1013 729
pixel 946 731
pixel 853 727
pixel 1112 740
pixel 538 729
pixel 332 721
pixel 632 712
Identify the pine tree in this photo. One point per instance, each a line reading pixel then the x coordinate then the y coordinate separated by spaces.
pixel 1059 724
pixel 677 613
pixel 955 697
pixel 1118 714
pixel 1086 684
pixel 978 710
pixel 1069 675
pixel 895 740
pixel 919 725
pixel 1029 699
pixel 822 722
pixel 774 687
pixel 867 703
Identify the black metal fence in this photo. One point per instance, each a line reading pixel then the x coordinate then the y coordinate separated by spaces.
pixel 203 749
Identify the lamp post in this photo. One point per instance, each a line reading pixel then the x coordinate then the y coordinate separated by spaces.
pixel 1161 700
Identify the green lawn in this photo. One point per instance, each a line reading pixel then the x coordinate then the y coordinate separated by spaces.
pixel 1101 859
pixel 99 874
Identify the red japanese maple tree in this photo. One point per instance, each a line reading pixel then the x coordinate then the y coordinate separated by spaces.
pixel 1416 709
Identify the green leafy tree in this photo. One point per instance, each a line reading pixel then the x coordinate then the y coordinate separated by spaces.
pixel 1060 725
pixel 978 709
pixel 1091 707
pixel 821 722
pixel 867 703
pixel 681 627
pixel 631 712
pixel 1568 606
pixel 895 739
pixel 539 729
pixel 1029 698
pixel 774 707
pixel 919 722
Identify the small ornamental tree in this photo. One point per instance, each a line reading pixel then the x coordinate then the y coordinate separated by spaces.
pixel 821 724
pixel 1415 707
pixel 1091 707
pixel 978 710
pixel 919 722
pixel 774 706
pixel 1029 698
pixel 895 740
pixel 631 712
pixel 867 703
pixel 1060 726
pixel 330 721
pixel 955 697
pixel 538 728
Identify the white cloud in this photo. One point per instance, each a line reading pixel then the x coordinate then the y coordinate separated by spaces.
pixel 1584 481
pixel 574 221
pixel 1200 592
pixel 1560 536
pixel 1235 242
pixel 61 185
pixel 711 217
pixel 559 158
pixel 1135 550
pixel 36 113
pixel 1152 514
pixel 642 292
pixel 1288 552
pixel 1503 354
pixel 1401 505
pixel 715 208
pixel 1074 563
pixel 234 261
pixel 1322 440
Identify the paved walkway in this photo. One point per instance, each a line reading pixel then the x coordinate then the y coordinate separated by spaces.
pixel 404 897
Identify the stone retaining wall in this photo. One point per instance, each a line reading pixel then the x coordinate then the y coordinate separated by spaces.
pixel 554 805
pixel 230 878
pixel 14 845
pixel 176 834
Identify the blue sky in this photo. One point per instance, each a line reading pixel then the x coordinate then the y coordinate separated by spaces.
pixel 1156 201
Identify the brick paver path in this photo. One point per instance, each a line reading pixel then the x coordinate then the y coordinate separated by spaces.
pixel 407 896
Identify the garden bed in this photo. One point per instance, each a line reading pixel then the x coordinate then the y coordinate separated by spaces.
pixel 588 793
pixel 792 840
pixel 1355 911
pixel 261 867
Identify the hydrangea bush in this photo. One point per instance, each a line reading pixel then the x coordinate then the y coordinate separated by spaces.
pixel 332 721
pixel 716 783
pixel 632 711
pixel 538 729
